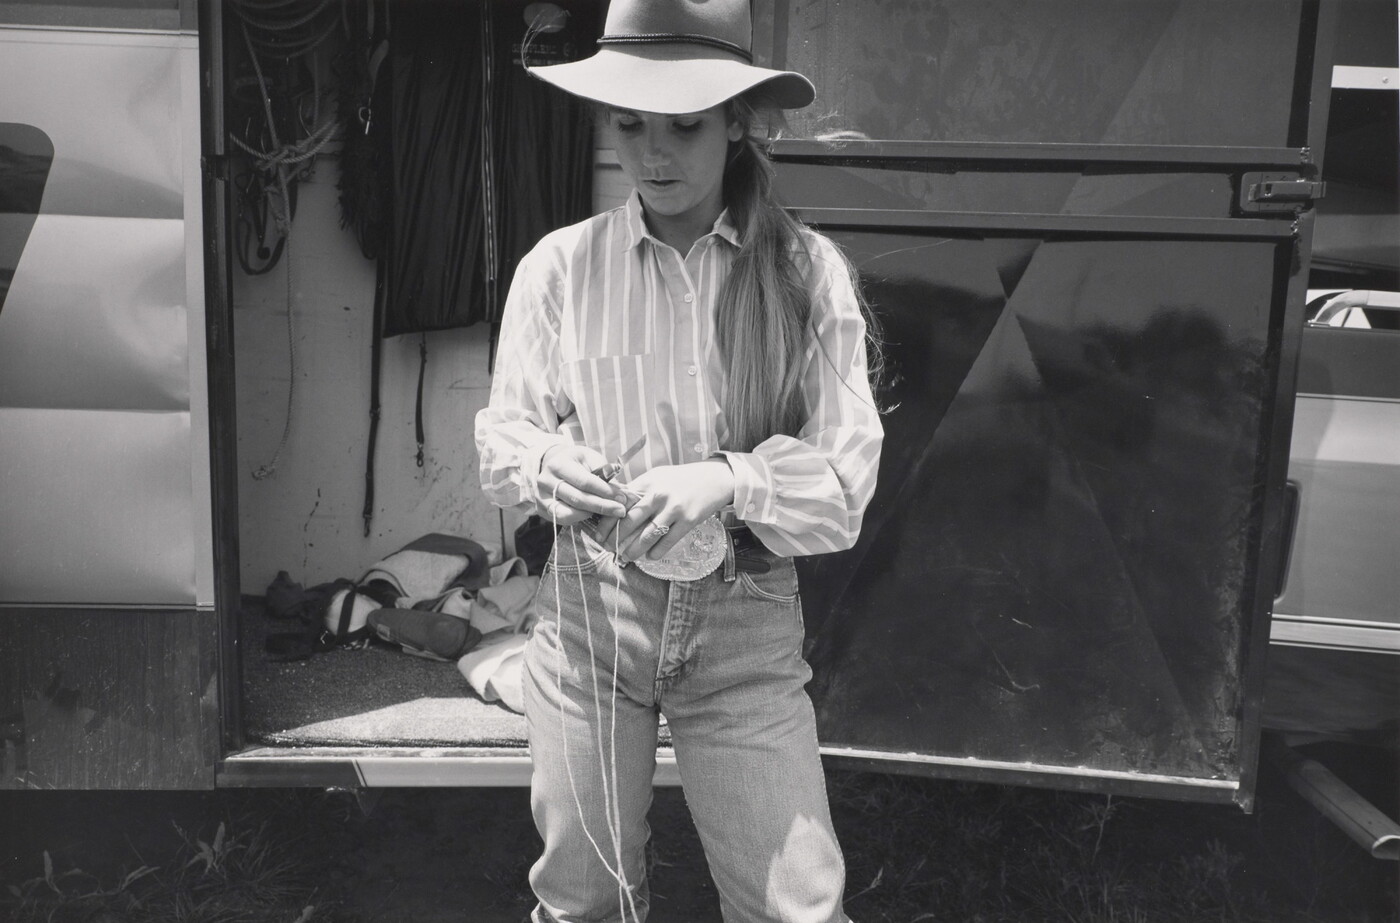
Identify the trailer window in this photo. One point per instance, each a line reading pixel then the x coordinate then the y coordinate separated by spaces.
pixel 1062 71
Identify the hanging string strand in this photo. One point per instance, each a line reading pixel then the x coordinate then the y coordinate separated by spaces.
pixel 612 731
pixel 559 661
pixel 608 773
pixel 283 219
pixel 262 472
pixel 283 30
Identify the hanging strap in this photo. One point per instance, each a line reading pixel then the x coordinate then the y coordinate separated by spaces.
pixel 491 258
pixel 418 408
pixel 375 361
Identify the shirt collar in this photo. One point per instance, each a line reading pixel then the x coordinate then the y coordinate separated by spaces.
pixel 635 227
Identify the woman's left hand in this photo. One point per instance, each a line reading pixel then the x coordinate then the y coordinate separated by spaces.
pixel 672 500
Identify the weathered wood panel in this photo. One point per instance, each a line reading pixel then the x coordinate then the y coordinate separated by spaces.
pixel 109 699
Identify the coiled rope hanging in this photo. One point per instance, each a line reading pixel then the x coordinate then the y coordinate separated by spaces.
pixel 280 33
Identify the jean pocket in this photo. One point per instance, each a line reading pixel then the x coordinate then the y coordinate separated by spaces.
pixel 778 584
pixel 575 552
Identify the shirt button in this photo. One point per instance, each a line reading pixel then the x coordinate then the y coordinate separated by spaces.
pixel 692 371
pixel 689 298
pixel 699 448
pixel 751 507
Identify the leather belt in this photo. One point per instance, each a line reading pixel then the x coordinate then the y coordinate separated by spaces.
pixel 749 553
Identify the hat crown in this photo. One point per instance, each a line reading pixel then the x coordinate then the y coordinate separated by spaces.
pixel 722 23
pixel 677 56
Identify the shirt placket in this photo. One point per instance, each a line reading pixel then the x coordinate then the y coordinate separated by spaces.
pixel 687 365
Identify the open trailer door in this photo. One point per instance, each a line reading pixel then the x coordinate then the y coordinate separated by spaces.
pixel 1085 227
pixel 108 643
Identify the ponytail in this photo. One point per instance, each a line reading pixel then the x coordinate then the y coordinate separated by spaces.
pixel 764 306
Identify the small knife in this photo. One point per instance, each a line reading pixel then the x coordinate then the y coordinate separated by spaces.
pixel 610 470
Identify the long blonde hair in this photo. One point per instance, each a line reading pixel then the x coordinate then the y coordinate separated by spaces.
pixel 762 318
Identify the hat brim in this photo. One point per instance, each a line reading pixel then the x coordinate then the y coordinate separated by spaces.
pixel 673 79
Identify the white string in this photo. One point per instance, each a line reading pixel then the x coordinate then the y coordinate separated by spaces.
pixel 612 733
pixel 609 793
pixel 611 811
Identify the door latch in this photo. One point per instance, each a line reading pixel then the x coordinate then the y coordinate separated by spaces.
pixel 1278 192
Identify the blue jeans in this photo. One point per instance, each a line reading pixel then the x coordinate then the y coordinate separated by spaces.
pixel 721 658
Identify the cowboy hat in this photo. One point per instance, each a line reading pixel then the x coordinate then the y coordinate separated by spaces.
pixel 675 56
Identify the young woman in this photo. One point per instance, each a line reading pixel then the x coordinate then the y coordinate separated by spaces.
pixel 710 352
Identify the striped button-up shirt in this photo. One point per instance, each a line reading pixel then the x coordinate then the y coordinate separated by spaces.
pixel 608 334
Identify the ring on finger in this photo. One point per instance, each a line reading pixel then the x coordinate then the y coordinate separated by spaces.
pixel 658 529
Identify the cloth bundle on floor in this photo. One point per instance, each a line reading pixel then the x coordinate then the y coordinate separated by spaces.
pixel 431 635
pixel 421 575
pixel 494 669
pixel 504 611
pixel 441 597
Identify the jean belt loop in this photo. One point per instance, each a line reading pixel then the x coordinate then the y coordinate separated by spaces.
pixel 729 569
pixel 729 521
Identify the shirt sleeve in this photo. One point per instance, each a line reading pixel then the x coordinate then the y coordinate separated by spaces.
pixel 807 495
pixel 527 410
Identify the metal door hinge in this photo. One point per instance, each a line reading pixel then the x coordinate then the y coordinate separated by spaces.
pixel 1278 192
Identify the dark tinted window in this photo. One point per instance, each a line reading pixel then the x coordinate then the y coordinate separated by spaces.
pixel 1080 71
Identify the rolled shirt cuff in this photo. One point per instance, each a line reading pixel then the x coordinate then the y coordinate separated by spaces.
pixel 753 490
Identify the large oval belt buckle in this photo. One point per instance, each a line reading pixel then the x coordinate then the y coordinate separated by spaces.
pixel 695 556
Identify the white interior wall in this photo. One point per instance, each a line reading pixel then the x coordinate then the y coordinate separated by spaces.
pixel 306 517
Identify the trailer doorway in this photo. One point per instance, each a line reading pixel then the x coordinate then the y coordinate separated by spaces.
pixel 363 331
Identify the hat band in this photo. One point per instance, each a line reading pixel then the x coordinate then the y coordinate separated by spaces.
pixel 666 38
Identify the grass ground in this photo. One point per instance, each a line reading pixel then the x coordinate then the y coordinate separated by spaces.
pixel 917 850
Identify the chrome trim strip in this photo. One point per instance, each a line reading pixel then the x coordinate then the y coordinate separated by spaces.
pixel 396 767
pixel 94 34
pixel 1335 634
pixel 109 607
pixel 1081 772
pixel 1126 226
pixel 1367 399
pixel 1036 155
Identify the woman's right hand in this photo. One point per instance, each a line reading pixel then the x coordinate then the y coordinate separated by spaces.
pixel 569 491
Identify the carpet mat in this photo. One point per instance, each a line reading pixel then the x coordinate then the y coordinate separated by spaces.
pixel 376 696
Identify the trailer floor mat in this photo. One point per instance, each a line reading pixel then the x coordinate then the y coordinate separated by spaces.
pixel 371 696
pixel 376 695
